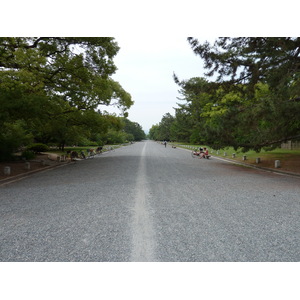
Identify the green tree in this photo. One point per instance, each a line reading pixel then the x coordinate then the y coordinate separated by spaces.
pixel 256 99
pixel 182 127
pixel 55 85
pixel 163 130
pixel 12 136
pixel 77 69
pixel 250 60
pixel 196 93
pixel 154 132
pixel 165 125
pixel 134 129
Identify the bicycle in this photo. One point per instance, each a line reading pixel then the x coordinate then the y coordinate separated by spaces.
pixel 99 150
pixel 90 153
pixel 82 155
pixel 195 154
pixel 109 149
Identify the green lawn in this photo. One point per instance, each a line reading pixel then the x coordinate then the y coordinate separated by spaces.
pixel 280 154
pixel 283 155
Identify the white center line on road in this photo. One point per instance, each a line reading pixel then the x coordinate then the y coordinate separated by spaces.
pixel 142 231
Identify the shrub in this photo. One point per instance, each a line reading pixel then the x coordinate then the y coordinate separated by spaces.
pixel 27 154
pixel 12 137
pixel 38 148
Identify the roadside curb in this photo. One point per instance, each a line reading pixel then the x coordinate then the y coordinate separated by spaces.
pixel 258 167
pixel 279 172
pixel 15 178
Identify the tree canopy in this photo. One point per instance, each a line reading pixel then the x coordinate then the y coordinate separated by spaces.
pixel 250 97
pixel 163 130
pixel 76 69
pixel 134 129
pixel 51 88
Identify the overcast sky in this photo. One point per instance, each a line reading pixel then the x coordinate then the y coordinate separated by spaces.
pixel 145 69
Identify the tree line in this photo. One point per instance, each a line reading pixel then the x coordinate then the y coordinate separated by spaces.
pixel 249 97
pixel 54 90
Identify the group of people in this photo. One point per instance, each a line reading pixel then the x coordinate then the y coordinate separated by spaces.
pixel 202 153
pixel 90 153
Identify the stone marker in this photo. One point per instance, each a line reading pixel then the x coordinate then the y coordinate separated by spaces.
pixel 277 164
pixel 6 170
pixel 233 155
pixel 257 160
pixel 244 157
pixel 27 165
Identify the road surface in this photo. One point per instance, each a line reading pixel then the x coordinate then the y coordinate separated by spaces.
pixel 145 202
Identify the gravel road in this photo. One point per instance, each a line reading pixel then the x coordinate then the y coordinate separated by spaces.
pixel 145 202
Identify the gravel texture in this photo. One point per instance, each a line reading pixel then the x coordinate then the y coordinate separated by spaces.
pixel 145 202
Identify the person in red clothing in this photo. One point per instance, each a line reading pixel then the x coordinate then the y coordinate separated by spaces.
pixel 204 154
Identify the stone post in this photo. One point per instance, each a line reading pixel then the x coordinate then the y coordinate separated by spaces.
pixel 27 165
pixel 244 157
pixel 225 154
pixel 277 164
pixel 6 170
pixel 233 155
pixel 257 160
